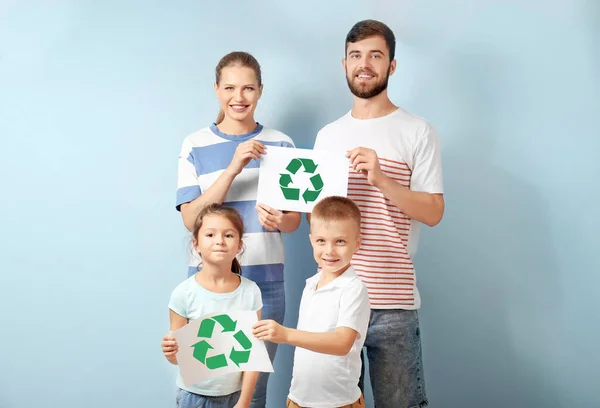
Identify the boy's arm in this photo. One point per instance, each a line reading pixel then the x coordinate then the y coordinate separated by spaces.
pixel 337 343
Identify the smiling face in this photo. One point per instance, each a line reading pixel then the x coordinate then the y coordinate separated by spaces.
pixel 334 243
pixel 238 91
pixel 368 67
pixel 217 241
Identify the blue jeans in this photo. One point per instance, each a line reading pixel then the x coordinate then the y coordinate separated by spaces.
pixel 273 297
pixel 187 399
pixel 393 346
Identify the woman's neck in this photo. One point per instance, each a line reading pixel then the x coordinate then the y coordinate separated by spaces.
pixel 236 127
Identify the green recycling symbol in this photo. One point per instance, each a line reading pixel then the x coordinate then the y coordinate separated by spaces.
pixel 202 348
pixel 291 193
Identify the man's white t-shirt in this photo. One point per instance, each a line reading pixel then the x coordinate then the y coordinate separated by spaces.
pixel 409 152
pixel 324 380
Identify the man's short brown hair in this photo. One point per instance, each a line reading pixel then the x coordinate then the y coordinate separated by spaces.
pixel 370 28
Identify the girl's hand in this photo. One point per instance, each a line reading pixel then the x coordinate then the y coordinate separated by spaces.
pixel 269 218
pixel 252 149
pixel 169 346
pixel 270 330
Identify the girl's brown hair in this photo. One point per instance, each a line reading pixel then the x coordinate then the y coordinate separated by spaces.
pixel 232 215
pixel 236 58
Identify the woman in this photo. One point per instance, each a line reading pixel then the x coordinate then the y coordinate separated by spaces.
pixel 219 164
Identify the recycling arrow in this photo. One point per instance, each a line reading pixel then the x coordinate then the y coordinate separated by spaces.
pixel 239 357
pixel 200 350
pixel 226 322
pixel 293 193
pixel 203 347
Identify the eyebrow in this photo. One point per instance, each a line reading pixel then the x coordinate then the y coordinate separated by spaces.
pixel 254 85
pixel 371 51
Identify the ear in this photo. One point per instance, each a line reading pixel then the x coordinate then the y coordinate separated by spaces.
pixel 260 90
pixel 344 64
pixel 358 243
pixel 240 246
pixel 216 86
pixel 392 67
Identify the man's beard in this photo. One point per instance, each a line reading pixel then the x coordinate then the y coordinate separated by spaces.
pixel 370 91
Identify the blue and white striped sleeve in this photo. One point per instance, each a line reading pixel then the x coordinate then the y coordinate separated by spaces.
pixel 188 188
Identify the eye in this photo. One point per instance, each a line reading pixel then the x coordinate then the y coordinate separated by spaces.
pixel 209 234
pixel 249 88
pixel 376 56
pixel 320 241
pixel 340 242
pixel 229 236
pixel 229 88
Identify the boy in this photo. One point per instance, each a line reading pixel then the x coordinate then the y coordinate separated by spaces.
pixel 333 318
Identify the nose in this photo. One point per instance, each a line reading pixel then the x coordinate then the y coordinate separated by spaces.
pixel 220 239
pixel 329 249
pixel 364 62
pixel 239 94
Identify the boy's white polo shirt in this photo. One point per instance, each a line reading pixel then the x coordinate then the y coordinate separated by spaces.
pixel 324 380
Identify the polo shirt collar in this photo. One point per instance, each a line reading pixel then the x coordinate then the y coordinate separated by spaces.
pixel 339 282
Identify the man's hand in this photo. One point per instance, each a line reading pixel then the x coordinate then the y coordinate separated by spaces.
pixel 366 161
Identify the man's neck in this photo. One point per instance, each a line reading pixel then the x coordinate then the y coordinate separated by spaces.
pixel 372 108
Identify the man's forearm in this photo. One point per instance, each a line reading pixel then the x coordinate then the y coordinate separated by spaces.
pixel 423 207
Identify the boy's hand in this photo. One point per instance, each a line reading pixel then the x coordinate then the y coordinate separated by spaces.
pixel 169 346
pixel 270 218
pixel 270 330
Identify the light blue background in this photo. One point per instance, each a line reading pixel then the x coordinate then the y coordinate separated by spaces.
pixel 96 98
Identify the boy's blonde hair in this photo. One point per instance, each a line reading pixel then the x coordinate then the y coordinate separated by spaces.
pixel 336 208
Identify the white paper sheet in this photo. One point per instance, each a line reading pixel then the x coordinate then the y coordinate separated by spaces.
pixel 219 344
pixel 297 179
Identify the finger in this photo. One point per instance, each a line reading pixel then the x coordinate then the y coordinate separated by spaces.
pixel 358 160
pixel 260 146
pixel 265 208
pixel 353 152
pixel 363 167
pixel 259 150
pixel 261 210
pixel 250 155
pixel 259 331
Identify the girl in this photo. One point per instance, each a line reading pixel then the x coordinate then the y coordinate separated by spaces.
pixel 217 287
pixel 219 164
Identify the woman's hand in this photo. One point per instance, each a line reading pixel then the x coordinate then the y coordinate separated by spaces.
pixel 270 218
pixel 252 149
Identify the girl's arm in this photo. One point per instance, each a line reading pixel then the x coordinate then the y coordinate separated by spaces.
pixel 249 379
pixel 169 344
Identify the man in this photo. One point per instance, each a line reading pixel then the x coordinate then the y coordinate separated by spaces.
pixel 396 180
